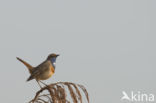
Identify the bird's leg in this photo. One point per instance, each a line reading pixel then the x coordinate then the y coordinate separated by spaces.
pixel 39 84
pixel 44 83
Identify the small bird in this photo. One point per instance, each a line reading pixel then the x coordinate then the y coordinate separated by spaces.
pixel 43 71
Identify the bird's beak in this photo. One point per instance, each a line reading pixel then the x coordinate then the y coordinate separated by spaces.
pixel 57 55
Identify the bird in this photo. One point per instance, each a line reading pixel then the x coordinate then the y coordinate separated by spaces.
pixel 44 70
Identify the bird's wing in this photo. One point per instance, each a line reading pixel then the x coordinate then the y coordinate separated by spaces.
pixel 39 70
pixel 30 68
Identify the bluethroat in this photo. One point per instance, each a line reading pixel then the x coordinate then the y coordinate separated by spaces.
pixel 43 71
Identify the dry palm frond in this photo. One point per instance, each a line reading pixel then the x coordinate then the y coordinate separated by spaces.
pixel 57 93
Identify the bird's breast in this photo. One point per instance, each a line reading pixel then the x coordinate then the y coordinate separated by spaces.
pixel 47 74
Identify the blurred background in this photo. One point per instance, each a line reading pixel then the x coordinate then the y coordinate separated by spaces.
pixel 108 46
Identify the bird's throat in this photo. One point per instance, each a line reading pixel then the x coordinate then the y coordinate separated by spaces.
pixel 53 61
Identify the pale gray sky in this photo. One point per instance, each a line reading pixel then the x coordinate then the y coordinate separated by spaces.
pixel 106 45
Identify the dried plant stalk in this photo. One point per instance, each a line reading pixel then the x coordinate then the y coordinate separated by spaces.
pixel 58 94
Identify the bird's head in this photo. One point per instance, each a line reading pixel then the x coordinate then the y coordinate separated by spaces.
pixel 52 57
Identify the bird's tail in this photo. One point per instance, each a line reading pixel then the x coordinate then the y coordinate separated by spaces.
pixel 30 68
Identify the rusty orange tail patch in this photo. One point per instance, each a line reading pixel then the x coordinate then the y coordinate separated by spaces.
pixel 26 64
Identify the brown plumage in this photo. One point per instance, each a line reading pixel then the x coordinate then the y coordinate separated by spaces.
pixel 30 68
pixel 43 71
